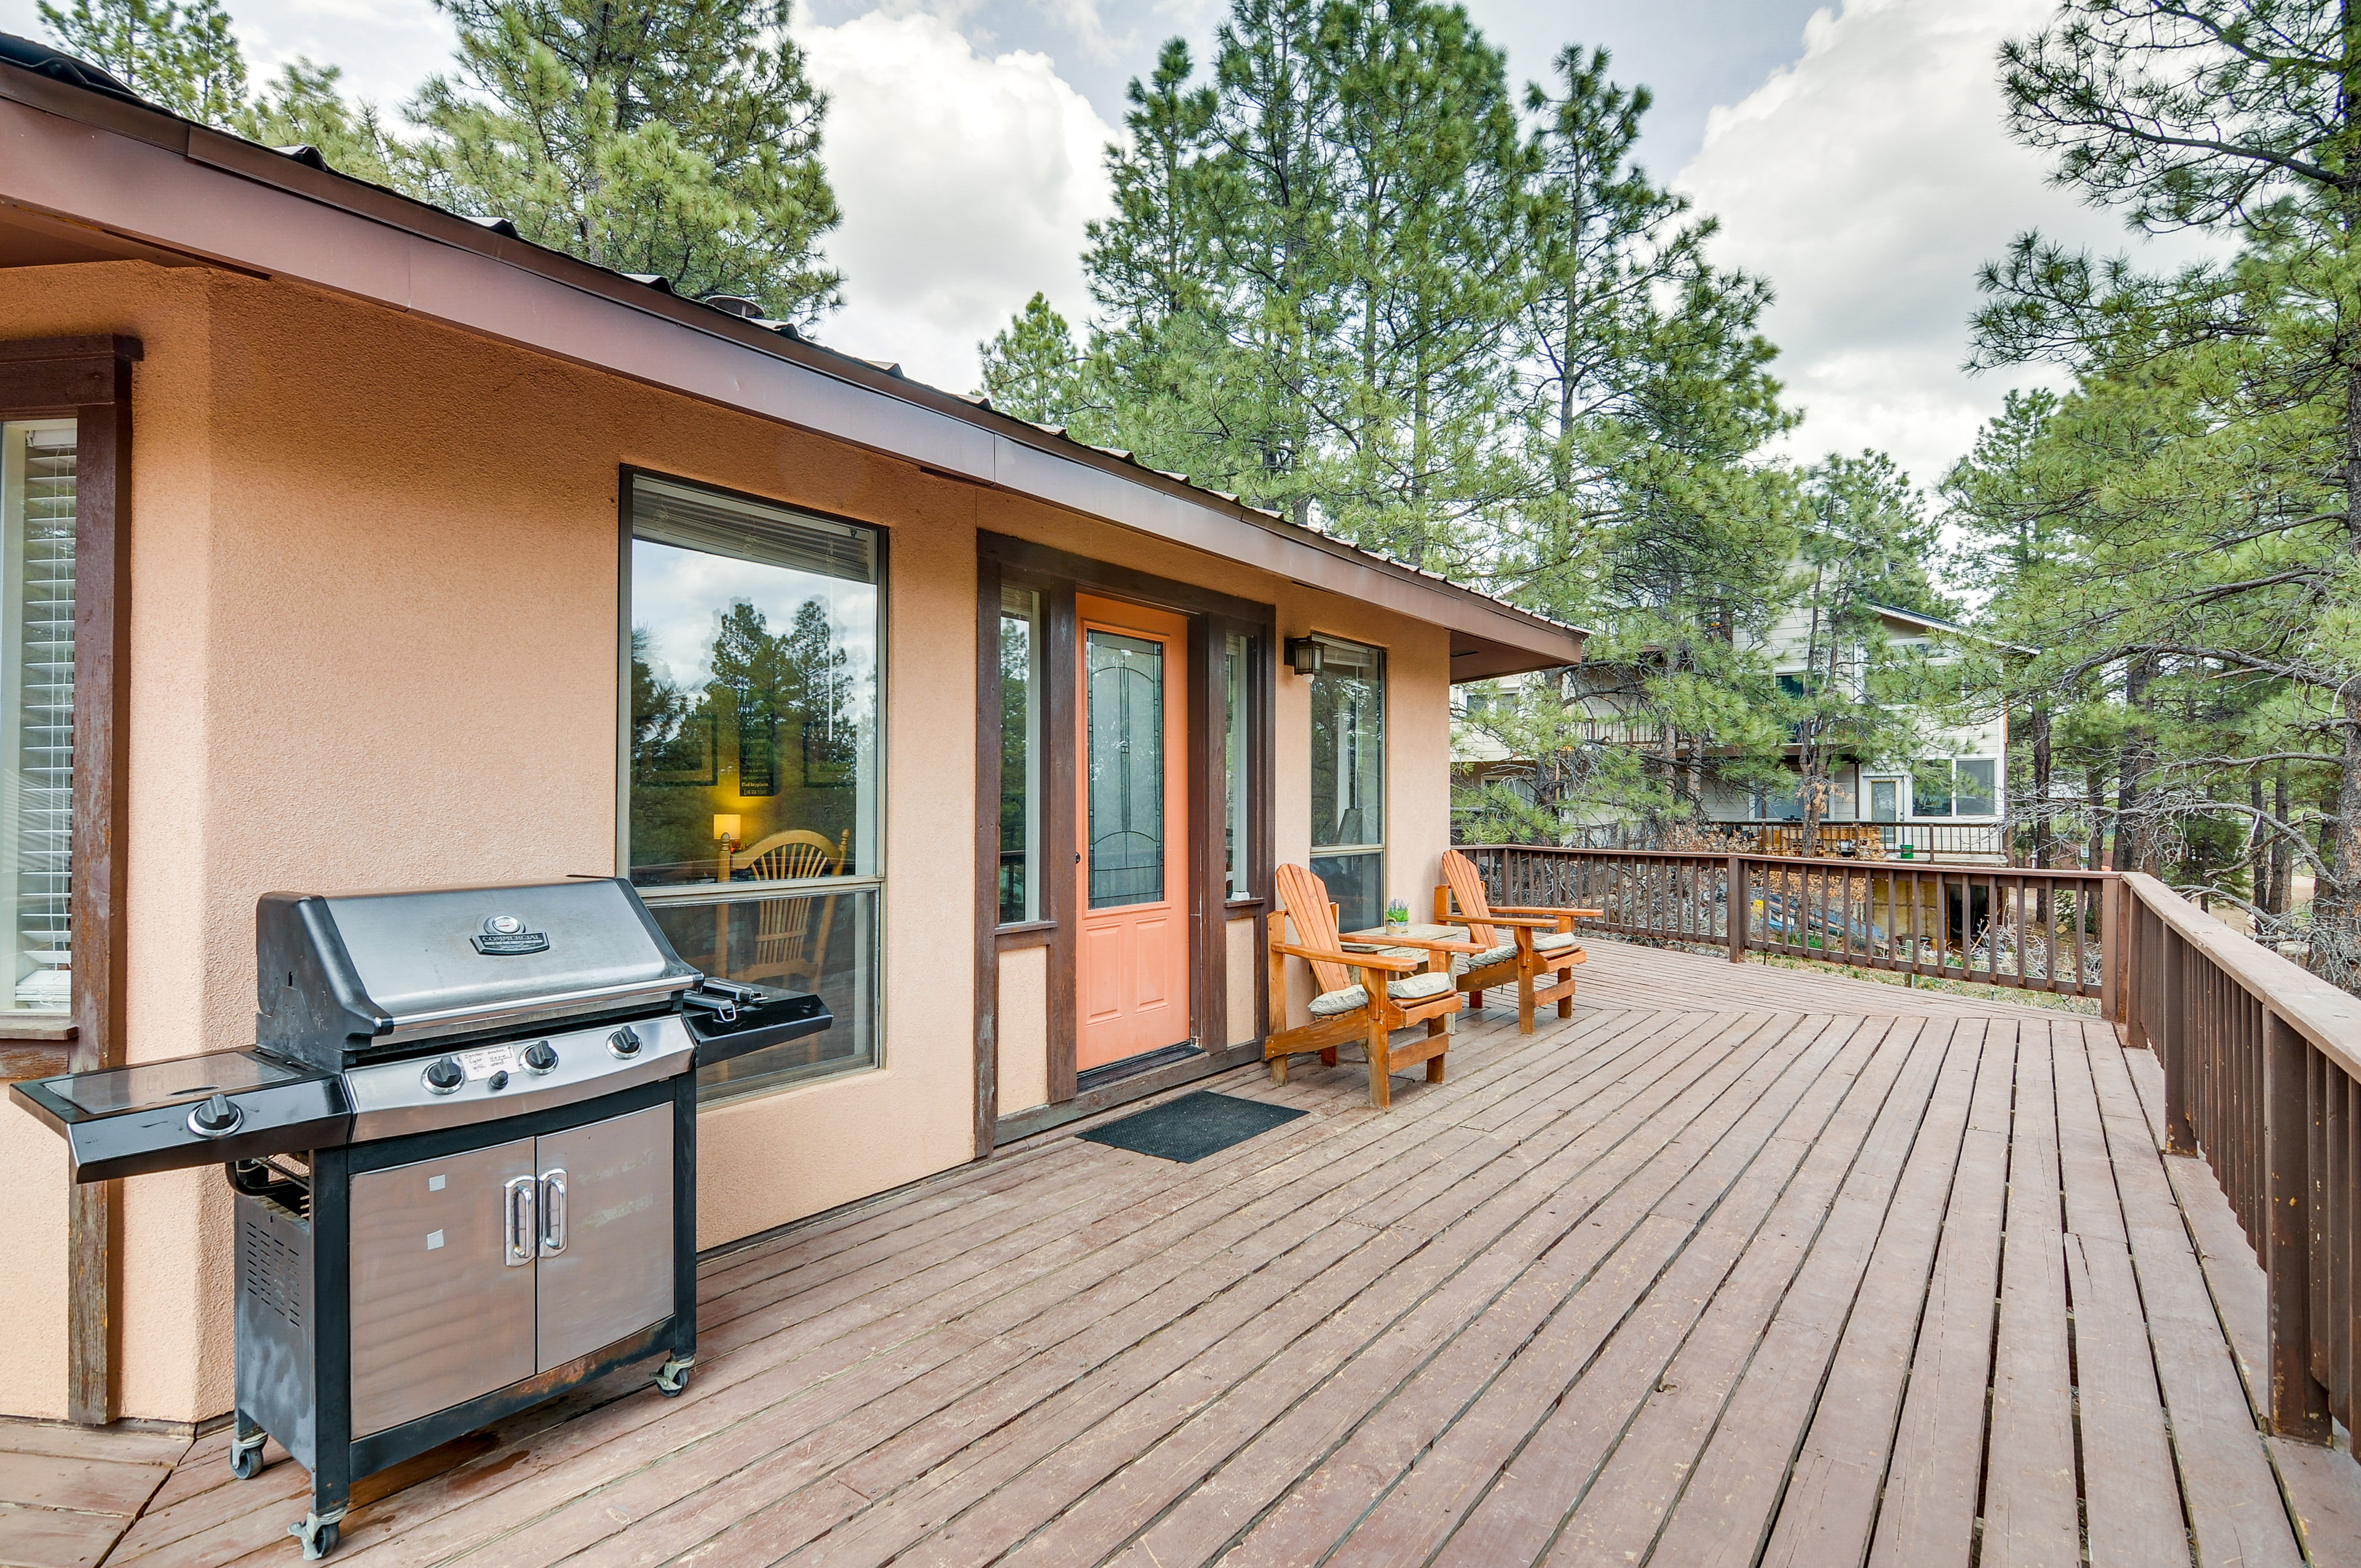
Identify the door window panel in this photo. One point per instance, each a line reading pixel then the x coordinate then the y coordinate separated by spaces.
pixel 38 489
pixel 1126 676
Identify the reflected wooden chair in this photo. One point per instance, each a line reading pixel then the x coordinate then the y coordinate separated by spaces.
pixel 790 933
pixel 1349 1002
pixel 1538 957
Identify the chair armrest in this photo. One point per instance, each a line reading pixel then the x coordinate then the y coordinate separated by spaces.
pixel 1433 944
pixel 1577 913
pixel 1527 921
pixel 1352 960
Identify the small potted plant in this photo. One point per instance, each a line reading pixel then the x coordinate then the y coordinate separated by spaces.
pixel 1397 916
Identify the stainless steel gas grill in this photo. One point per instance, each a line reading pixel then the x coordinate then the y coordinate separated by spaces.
pixel 464 1147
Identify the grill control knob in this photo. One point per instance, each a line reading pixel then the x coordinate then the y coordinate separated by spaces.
pixel 541 1057
pixel 443 1075
pixel 216 1118
pixel 624 1042
pixel 497 1082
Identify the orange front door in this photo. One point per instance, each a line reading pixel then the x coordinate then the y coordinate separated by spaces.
pixel 1133 823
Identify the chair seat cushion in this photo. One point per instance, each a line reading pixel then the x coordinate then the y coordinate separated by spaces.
pixel 1353 998
pixel 1544 943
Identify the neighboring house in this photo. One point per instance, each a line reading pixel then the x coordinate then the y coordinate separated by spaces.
pixel 399 553
pixel 1952 802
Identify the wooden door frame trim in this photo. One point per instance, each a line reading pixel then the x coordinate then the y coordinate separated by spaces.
pixel 1057 575
pixel 89 377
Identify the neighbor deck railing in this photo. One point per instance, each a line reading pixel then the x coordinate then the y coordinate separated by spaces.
pixel 2262 1076
pixel 2261 1059
pixel 2038 931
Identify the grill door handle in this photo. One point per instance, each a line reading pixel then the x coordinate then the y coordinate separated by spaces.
pixel 553 1212
pixel 521 1230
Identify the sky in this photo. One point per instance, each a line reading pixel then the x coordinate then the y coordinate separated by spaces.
pixel 1852 153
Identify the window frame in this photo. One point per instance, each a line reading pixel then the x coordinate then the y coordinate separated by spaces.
pixel 707 894
pixel 1003 561
pixel 1952 812
pixel 89 380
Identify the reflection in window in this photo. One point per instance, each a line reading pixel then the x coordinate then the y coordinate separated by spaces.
pixel 824 942
pixel 1125 715
pixel 1349 770
pixel 1020 755
pixel 37 493
pixel 1234 676
pixel 754 638
pixel 752 751
pixel 1966 786
pixel 1972 787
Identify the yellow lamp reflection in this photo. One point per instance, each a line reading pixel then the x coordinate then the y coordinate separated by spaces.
pixel 725 826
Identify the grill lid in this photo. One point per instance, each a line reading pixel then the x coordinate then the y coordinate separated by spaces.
pixel 338 973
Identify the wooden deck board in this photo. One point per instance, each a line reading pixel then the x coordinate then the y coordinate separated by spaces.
pixel 1706 1274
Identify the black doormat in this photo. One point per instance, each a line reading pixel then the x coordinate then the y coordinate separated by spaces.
pixel 1188 1129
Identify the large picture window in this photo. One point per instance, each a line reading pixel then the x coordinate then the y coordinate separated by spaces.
pixel 38 489
pixel 1348 781
pixel 751 827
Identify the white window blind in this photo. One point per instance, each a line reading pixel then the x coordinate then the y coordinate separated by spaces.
pixel 37 606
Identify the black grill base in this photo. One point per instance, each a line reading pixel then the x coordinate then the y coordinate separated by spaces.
pixel 294 1302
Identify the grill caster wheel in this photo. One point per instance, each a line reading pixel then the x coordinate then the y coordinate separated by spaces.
pixel 319 1536
pixel 246 1464
pixel 672 1381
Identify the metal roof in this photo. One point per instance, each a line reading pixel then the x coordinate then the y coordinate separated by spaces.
pixel 183 193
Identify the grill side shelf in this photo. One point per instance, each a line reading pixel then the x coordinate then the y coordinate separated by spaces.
pixel 288 1116
pixel 759 1018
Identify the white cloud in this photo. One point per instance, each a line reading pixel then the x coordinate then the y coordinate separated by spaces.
pixel 965 182
pixel 1867 182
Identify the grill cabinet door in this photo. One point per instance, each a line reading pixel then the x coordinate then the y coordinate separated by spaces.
pixel 606 1253
pixel 438 1314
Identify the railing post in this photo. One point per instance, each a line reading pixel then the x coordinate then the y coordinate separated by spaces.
pixel 2114 901
pixel 2166 980
pixel 1740 906
pixel 2298 1402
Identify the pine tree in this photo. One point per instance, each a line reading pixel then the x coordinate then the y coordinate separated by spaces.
pixel 304 106
pixel 182 57
pixel 678 137
pixel 2219 411
pixel 1031 367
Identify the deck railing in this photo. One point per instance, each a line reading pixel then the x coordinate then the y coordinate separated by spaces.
pixel 1911 840
pixel 2261 1059
pixel 2262 1073
pixel 2038 931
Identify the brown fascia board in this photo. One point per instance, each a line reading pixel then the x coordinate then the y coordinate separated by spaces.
pixel 151 178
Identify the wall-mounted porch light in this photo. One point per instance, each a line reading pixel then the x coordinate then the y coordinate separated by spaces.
pixel 1303 655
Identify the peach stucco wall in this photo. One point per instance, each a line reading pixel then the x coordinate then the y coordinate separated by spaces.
pixel 373 643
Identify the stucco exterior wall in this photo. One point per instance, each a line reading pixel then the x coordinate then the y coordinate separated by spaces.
pixel 374 643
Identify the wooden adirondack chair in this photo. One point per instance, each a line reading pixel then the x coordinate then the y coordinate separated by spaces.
pixel 1362 996
pixel 1538 956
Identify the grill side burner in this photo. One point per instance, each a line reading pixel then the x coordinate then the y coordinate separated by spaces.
pixel 465 1154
